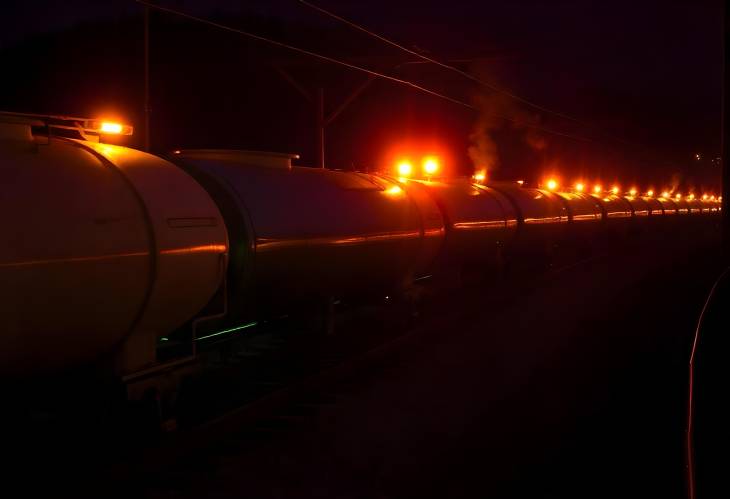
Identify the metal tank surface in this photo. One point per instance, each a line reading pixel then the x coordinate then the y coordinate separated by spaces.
pixel 105 249
pixel 639 207
pixel 299 234
pixel 654 207
pixel 542 216
pixel 669 206
pixel 479 221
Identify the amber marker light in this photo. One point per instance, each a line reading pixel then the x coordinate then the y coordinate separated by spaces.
pixel 705 197
pixel 405 168
pixel 579 187
pixel 678 196
pixel 649 193
pixel 615 189
pixel 552 184
pixel 109 128
pixel 691 197
pixel 430 166
pixel 665 194
pixel 597 189
pixel 632 191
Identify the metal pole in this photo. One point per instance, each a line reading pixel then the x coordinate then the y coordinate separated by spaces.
pixel 147 79
pixel 320 127
pixel 725 139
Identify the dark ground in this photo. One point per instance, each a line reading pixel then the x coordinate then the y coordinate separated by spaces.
pixel 572 387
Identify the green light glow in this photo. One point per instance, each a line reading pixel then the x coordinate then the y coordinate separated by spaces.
pixel 231 330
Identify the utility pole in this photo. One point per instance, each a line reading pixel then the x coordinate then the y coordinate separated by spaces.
pixel 323 121
pixel 320 127
pixel 147 79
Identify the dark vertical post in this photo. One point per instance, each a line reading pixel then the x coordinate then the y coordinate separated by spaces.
pixel 320 127
pixel 725 139
pixel 147 79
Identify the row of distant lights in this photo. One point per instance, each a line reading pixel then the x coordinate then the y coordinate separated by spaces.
pixel 552 185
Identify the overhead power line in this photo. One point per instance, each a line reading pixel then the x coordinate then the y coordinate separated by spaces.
pixel 431 60
pixel 354 67
pixel 471 77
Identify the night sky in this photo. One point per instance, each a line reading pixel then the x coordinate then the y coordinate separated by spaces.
pixel 642 78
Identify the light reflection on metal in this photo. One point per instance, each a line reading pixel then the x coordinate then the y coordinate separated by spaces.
pixel 227 331
pixel 268 244
pixel 479 224
pixel 50 261
pixel 205 248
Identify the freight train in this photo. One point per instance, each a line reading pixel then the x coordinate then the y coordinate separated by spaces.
pixel 108 251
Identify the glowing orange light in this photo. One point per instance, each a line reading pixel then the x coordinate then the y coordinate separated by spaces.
pixel 109 127
pixel 705 197
pixel 579 187
pixel 405 168
pixel 719 198
pixel 650 193
pixel 597 189
pixel 665 194
pixel 678 196
pixel 552 184
pixel 615 189
pixel 430 165
pixel 393 191
pixel 691 196
pixel 632 191
pixel 520 182
pixel 480 176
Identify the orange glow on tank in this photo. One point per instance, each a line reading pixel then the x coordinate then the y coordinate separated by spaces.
pixel 430 165
pixel 580 187
pixel 393 191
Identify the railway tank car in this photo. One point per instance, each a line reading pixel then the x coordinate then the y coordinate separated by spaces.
pixel 305 234
pixel 105 248
pixel 109 249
